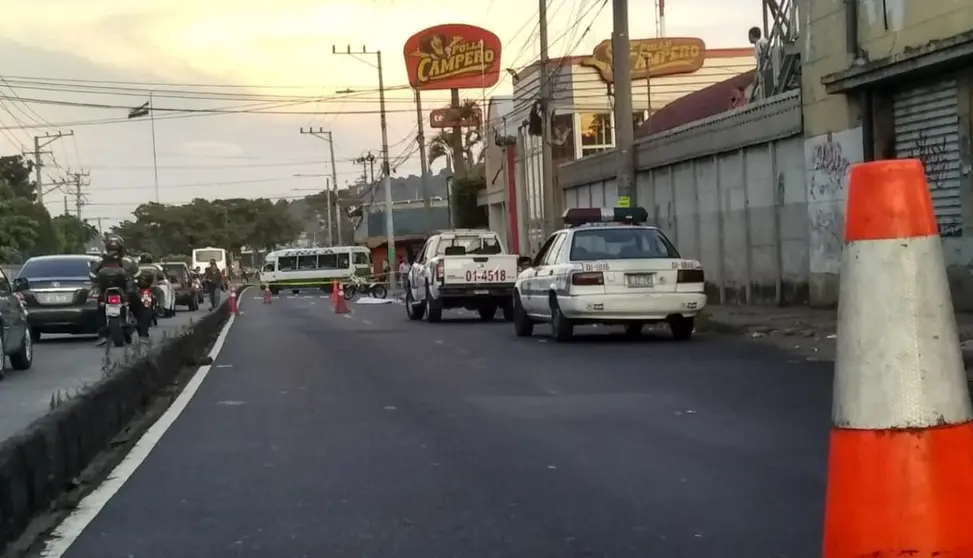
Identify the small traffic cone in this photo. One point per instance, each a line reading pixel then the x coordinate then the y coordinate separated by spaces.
pixel 233 304
pixel 900 468
pixel 340 306
pixel 267 299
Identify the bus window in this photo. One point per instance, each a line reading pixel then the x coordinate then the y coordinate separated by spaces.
pixel 287 263
pixel 307 263
pixel 327 261
pixel 269 266
pixel 362 258
pixel 342 261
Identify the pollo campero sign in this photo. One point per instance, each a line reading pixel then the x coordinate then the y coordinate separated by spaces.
pixel 452 56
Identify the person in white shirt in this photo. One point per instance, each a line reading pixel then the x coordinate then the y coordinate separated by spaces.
pixel 403 272
pixel 765 70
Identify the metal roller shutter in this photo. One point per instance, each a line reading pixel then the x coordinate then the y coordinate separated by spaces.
pixel 927 128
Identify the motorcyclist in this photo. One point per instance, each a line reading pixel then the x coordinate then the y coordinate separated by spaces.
pixel 146 279
pixel 115 269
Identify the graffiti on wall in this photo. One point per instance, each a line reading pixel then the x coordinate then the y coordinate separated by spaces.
pixel 935 156
pixel 829 167
pixel 828 160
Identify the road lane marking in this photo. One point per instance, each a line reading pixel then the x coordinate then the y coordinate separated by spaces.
pixel 70 529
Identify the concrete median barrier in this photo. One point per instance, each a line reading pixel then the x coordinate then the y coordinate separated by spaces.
pixel 45 459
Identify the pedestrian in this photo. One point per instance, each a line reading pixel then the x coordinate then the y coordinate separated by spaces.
pixel 403 272
pixel 215 283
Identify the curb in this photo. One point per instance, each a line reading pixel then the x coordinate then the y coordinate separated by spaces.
pixel 44 460
pixel 706 323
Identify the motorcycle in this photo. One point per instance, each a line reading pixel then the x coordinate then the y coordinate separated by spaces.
pixel 150 304
pixel 118 317
pixel 362 288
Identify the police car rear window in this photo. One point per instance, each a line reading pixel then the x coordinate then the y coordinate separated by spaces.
pixel 623 243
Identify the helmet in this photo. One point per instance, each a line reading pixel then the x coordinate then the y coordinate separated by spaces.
pixel 114 245
pixel 145 258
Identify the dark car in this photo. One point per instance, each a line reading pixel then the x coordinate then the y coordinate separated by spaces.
pixel 182 282
pixel 58 295
pixel 15 342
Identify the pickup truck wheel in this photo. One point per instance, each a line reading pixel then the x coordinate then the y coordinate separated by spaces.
pixel 487 313
pixel 415 310
pixel 523 325
pixel 434 308
pixel 561 328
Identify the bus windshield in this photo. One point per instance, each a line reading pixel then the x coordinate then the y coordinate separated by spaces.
pixel 207 255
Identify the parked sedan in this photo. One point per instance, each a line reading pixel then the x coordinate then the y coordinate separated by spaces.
pixel 15 342
pixel 56 290
pixel 179 276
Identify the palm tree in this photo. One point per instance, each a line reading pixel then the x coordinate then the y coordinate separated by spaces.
pixel 472 141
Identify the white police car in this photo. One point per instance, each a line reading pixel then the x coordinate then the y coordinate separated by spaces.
pixel 608 268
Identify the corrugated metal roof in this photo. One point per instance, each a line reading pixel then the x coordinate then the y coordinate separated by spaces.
pixel 706 102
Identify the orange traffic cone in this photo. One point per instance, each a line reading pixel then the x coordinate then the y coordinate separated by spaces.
pixel 340 306
pixel 267 299
pixel 900 469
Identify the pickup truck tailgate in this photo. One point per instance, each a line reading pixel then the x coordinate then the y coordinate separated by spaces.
pixel 480 270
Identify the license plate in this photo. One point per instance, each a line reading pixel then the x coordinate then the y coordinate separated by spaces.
pixel 54 298
pixel 113 311
pixel 640 280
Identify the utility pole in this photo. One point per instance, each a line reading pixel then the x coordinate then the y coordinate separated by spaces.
pixel 386 168
pixel 80 181
pixel 547 153
pixel 39 143
pixel 327 136
pixel 424 165
pixel 624 127
pixel 66 212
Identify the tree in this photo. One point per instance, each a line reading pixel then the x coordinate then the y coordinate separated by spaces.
pixel 230 224
pixel 25 225
pixel 441 145
pixel 466 213
pixel 73 232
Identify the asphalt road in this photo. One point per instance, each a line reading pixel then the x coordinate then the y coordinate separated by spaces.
pixel 362 436
pixel 65 363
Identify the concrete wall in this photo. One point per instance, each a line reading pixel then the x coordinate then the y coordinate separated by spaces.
pixel 730 191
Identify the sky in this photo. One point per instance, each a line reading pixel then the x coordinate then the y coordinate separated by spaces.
pixel 269 70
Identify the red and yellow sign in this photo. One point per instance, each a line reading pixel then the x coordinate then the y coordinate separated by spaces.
pixel 652 57
pixel 452 56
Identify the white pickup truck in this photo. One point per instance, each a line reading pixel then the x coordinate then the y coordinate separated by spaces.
pixel 467 268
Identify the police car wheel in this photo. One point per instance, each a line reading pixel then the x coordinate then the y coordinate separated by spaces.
pixel 561 328
pixel 523 326
pixel 682 328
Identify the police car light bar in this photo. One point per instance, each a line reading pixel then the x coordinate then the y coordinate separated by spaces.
pixel 585 215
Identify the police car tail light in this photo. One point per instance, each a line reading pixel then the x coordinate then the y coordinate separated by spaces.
pixel 585 215
pixel 588 279
pixel 440 271
pixel 690 276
